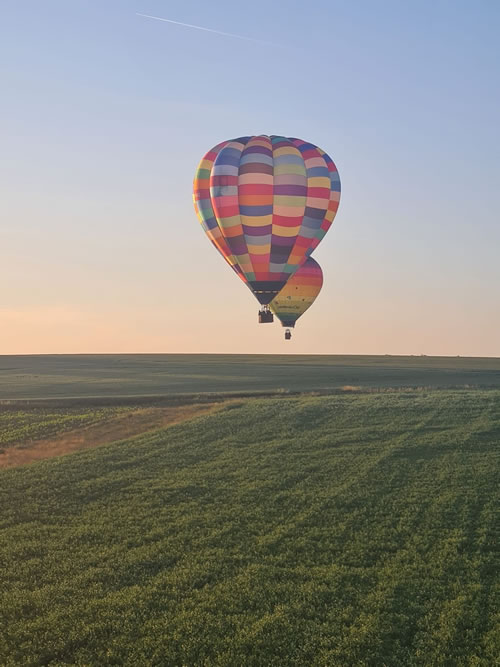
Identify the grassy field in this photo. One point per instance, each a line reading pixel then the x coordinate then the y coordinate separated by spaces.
pixel 356 529
pixel 49 376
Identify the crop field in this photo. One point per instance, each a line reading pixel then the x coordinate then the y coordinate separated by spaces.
pixel 56 376
pixel 333 530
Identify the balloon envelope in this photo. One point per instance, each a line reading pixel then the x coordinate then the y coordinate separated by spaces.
pixel 265 202
pixel 298 294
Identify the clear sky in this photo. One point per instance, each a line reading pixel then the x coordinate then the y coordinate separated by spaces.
pixel 105 115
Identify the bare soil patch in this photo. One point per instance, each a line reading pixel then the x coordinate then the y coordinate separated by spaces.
pixel 134 422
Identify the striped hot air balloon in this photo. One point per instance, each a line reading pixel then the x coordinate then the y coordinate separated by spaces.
pixel 266 202
pixel 298 294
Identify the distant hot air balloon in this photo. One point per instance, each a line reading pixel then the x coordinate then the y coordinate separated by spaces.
pixel 265 202
pixel 298 295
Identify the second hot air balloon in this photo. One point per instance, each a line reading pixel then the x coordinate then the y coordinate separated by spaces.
pixel 298 295
pixel 265 202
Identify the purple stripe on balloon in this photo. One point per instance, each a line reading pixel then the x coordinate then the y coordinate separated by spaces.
pixel 283 241
pixel 237 245
pixel 318 213
pixel 294 190
pixel 256 210
pixel 279 257
pixel 257 231
pixel 257 149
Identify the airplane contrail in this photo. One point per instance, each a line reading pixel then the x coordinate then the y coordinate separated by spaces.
pixel 199 27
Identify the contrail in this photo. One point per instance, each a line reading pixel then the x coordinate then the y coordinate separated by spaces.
pixel 199 27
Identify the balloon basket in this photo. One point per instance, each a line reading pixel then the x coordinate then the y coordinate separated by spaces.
pixel 265 315
pixel 288 334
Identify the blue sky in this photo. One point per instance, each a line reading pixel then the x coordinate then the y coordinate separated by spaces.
pixel 105 115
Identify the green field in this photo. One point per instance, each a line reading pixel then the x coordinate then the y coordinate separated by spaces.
pixel 350 529
pixel 49 376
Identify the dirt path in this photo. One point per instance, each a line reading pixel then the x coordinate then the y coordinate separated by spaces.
pixel 112 429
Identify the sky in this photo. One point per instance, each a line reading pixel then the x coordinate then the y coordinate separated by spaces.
pixel 105 115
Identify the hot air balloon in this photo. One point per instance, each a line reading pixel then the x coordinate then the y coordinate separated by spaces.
pixel 265 202
pixel 297 295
